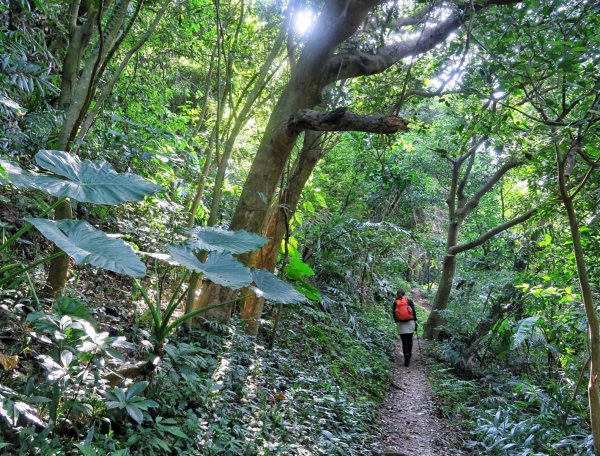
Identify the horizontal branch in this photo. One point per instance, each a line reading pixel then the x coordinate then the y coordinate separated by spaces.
pixel 467 208
pixel 358 63
pixel 491 233
pixel 342 120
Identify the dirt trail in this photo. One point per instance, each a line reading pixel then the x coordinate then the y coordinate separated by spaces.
pixel 408 419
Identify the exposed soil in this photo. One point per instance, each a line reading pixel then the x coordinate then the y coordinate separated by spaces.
pixel 408 418
pixel 417 297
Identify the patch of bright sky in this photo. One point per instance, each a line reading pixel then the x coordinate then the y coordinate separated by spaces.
pixel 450 76
pixel 303 21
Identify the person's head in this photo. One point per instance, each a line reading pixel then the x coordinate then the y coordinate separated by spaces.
pixel 400 293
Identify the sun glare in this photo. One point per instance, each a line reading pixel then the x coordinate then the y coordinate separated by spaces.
pixel 303 21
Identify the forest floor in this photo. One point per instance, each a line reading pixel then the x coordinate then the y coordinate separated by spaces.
pixel 410 425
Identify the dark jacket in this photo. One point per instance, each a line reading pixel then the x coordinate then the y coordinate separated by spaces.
pixel 412 306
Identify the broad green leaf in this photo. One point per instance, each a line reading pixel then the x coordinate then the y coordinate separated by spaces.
pixel 86 450
pixel 135 413
pixel 120 395
pixel 272 289
pixel 87 181
pixel 66 305
pixel 220 240
pixel 297 269
pixel 136 388
pixel 143 404
pixel 308 290
pixel 13 174
pixel 175 431
pixel 220 267
pixel 87 245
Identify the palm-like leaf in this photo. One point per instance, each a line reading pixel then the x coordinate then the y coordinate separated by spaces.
pixel 87 245
pixel 272 289
pixel 220 267
pixel 220 240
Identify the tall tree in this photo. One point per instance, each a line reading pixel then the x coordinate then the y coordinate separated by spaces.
pixel 460 206
pixel 95 34
pixel 319 66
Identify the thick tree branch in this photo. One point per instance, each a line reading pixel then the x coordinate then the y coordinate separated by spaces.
pixel 474 201
pixel 358 63
pixel 470 155
pixel 491 233
pixel 342 120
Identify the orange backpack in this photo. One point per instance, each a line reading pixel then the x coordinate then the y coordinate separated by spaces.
pixel 402 310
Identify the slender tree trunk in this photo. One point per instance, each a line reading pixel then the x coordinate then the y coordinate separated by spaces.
pixel 590 310
pixel 107 89
pixel 442 296
pixel 59 266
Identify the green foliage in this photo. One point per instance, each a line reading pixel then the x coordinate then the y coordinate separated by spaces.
pixel 87 245
pixel 219 240
pixel 131 402
pixel 355 350
pixel 507 416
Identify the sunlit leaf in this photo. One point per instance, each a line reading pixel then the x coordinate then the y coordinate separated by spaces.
pixel 87 181
pixel 272 289
pixel 220 240
pixel 296 269
pixel 9 362
pixel 220 267
pixel 13 174
pixel 308 290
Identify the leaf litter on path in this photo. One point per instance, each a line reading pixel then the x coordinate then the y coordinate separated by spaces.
pixel 408 419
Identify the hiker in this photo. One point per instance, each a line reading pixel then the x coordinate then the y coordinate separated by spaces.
pixel 405 317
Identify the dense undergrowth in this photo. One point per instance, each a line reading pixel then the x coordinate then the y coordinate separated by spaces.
pixel 214 393
pixel 507 416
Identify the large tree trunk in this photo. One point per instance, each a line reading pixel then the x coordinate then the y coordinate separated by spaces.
pixel 311 153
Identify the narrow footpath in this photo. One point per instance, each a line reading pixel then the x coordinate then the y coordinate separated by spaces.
pixel 408 419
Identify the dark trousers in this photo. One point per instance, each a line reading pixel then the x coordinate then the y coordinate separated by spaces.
pixel 407 343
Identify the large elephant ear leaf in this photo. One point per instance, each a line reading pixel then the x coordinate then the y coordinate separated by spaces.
pixel 220 267
pixel 220 240
pixel 87 181
pixel 267 286
pixel 87 245
pixel 12 173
